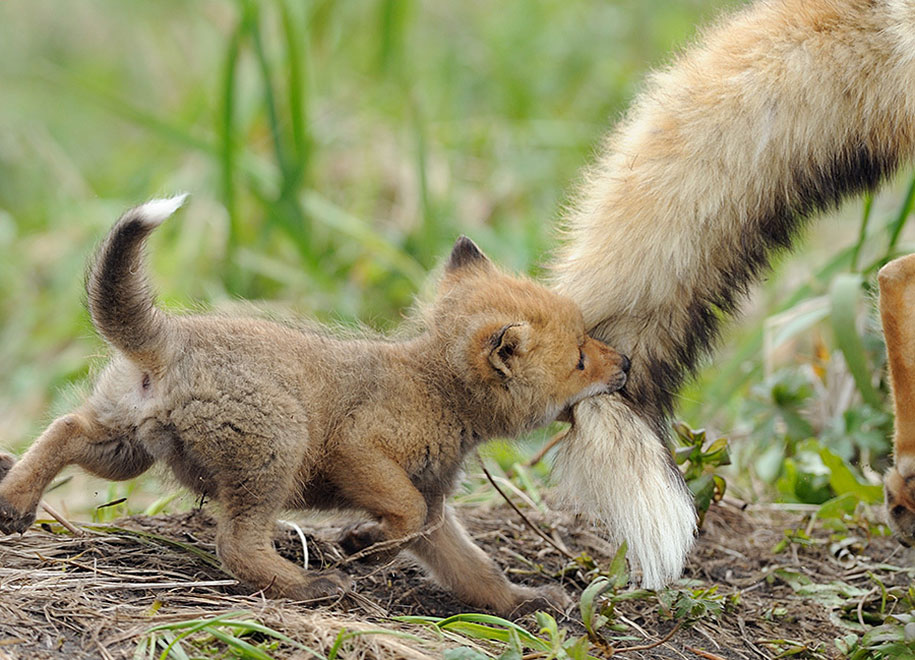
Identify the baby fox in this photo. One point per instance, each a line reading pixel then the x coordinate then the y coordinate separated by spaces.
pixel 262 417
pixel 897 312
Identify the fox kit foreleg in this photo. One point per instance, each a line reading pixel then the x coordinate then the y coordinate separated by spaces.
pixel 76 438
pixel 897 313
pixel 371 481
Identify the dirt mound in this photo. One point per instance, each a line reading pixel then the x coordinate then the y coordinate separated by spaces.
pixel 98 595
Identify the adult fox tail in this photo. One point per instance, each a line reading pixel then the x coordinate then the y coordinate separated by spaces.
pixel 120 300
pixel 780 111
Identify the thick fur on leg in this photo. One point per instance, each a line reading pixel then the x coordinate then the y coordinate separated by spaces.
pixel 459 565
pixel 897 313
pixel 779 112
pixel 76 438
pixel 613 465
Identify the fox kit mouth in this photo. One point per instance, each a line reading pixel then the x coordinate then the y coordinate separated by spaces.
pixel 618 382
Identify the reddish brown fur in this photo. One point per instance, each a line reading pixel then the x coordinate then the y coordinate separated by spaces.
pixel 262 417
pixel 897 312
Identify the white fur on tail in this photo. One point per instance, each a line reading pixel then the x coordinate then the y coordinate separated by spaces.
pixel 613 467
pixel 157 210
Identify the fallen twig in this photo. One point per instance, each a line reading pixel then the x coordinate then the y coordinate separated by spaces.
pixel 552 442
pixel 70 527
pixel 536 529
pixel 646 647
pixel 703 654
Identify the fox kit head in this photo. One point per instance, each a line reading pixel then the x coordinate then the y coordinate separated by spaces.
pixel 520 348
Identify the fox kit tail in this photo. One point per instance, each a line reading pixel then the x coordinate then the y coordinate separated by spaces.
pixel 781 111
pixel 120 300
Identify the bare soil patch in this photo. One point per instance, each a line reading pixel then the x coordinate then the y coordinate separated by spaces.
pixel 96 595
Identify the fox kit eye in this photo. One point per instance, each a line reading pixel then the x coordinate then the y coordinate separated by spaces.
pixel 581 360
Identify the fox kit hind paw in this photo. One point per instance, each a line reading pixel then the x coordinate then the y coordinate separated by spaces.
pixel 327 584
pixel 533 599
pixel 12 521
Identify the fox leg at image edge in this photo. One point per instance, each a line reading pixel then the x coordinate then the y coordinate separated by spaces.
pixel 897 314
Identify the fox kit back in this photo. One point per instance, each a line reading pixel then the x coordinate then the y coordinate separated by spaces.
pixel 262 417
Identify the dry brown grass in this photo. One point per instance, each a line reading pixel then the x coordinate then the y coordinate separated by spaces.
pixel 96 595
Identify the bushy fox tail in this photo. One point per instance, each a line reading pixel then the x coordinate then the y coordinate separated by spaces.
pixel 781 111
pixel 121 302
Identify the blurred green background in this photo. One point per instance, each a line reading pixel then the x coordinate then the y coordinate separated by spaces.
pixel 334 150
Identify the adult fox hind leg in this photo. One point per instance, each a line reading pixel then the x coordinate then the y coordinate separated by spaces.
pixel 76 438
pixel 897 313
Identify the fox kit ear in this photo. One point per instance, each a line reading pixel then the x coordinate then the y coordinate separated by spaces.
pixel 465 253
pixel 504 346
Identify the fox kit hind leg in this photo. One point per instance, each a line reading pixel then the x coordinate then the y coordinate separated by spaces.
pixel 462 567
pixel 897 313
pixel 77 438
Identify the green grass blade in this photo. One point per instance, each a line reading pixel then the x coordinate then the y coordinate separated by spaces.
pixel 227 130
pixel 488 626
pixel 270 105
pixel 862 230
pixel 326 212
pixel 160 504
pixel 172 647
pixel 844 296
pixel 243 648
pixel 196 624
pixel 478 626
pixel 588 596
pixel 297 86
pixel 904 212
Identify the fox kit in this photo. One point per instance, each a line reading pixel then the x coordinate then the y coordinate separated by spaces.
pixel 779 112
pixel 262 417
pixel 897 312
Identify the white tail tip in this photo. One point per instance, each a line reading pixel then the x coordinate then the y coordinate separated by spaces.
pixel 157 210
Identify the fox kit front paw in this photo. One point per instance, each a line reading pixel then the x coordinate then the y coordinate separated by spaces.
pixel 6 462
pixel 361 536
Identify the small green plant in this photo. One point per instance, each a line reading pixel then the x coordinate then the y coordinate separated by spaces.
pixel 689 605
pixel 701 460
pixel 893 639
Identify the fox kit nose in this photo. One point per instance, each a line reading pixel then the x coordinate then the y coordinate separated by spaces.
pixel 625 363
